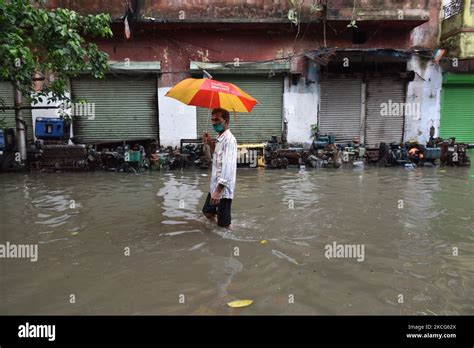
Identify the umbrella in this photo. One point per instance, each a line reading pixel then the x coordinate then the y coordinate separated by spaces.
pixel 211 94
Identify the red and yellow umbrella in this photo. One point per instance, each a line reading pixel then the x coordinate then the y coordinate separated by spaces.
pixel 211 94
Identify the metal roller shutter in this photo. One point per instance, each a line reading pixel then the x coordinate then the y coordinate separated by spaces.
pixel 457 113
pixel 383 128
pixel 125 108
pixel 6 92
pixel 340 107
pixel 265 119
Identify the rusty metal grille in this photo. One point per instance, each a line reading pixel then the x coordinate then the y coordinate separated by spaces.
pixel 453 8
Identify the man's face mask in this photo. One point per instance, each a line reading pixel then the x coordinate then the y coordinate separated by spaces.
pixel 219 128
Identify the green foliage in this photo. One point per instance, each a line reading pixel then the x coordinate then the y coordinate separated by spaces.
pixel 295 9
pixel 352 24
pixel 293 15
pixel 36 41
pixel 314 130
pixel 316 8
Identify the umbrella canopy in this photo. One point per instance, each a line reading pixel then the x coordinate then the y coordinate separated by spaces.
pixel 211 94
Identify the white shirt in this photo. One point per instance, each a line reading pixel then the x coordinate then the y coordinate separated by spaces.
pixel 224 164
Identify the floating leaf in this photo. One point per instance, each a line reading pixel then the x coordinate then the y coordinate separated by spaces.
pixel 75 233
pixel 240 303
pixel 263 241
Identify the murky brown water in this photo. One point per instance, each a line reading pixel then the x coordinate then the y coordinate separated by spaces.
pixel 174 251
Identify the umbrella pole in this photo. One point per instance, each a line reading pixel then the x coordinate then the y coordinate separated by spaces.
pixel 208 113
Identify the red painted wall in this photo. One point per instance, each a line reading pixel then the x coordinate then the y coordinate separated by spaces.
pixel 176 47
pixel 176 44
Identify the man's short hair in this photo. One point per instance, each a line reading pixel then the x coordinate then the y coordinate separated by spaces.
pixel 224 114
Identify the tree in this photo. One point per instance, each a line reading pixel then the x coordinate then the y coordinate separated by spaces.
pixel 48 45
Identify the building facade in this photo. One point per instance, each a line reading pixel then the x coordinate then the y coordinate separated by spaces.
pixel 457 102
pixel 336 64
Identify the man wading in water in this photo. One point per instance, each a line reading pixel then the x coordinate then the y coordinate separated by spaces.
pixel 224 167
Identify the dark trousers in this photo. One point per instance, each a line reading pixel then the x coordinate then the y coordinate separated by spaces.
pixel 222 210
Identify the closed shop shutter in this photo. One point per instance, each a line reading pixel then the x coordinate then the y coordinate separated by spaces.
pixel 379 127
pixel 125 108
pixel 6 93
pixel 457 112
pixel 265 119
pixel 340 107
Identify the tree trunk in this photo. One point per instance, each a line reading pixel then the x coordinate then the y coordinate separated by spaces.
pixel 20 125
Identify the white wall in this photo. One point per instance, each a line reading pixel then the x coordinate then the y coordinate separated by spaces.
pixel 177 120
pixel 300 109
pixel 426 90
pixel 300 103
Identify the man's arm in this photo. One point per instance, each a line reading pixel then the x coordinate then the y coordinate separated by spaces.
pixel 206 139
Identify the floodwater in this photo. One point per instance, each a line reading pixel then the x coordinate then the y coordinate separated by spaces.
pixel 117 243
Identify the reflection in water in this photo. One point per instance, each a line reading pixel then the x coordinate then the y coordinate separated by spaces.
pixel 180 198
pixel 83 223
